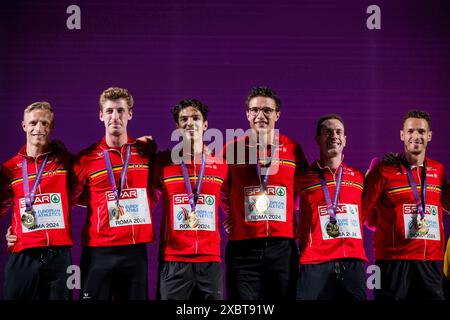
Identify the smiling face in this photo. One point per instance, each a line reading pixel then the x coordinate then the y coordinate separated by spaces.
pixel 415 135
pixel 262 114
pixel 332 138
pixel 115 114
pixel 38 125
pixel 191 123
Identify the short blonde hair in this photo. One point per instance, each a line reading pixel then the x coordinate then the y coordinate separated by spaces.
pixel 40 105
pixel 116 93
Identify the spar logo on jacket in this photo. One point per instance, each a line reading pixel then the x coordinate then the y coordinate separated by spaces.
pixel 110 222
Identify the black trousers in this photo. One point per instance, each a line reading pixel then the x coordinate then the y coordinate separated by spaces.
pixel 409 280
pixel 446 286
pixel 190 281
pixel 261 269
pixel 342 279
pixel 118 272
pixel 38 274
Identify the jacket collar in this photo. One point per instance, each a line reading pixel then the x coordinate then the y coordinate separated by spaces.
pixel 317 164
pixel 103 144
pixel 252 143
pixel 23 151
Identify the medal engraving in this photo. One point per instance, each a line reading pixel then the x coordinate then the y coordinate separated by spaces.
pixel 28 219
pixel 117 212
pixel 422 227
pixel 332 229
pixel 192 220
pixel 262 204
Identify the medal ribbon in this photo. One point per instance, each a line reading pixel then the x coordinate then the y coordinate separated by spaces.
pixel 331 205
pixel 263 179
pixel 30 196
pixel 187 183
pixel 123 174
pixel 420 204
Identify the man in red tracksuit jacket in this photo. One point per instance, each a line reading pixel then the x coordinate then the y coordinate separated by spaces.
pixel 189 266
pixel 331 244
pixel 111 178
pixel 402 199
pixel 446 207
pixel 261 255
pixel 35 182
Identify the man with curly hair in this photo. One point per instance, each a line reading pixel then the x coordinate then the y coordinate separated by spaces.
pixel 190 181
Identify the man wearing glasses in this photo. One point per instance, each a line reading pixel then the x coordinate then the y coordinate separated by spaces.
pixel 261 255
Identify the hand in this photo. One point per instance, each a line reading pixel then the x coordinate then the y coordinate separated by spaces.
pixel 146 145
pixel 391 158
pixel 373 163
pixel 11 239
pixel 371 221
pixel 145 139
pixel 58 145
pixel 228 224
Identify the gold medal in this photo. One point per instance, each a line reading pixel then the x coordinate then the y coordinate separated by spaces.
pixel 192 219
pixel 423 227
pixel 28 219
pixel 262 203
pixel 332 229
pixel 116 211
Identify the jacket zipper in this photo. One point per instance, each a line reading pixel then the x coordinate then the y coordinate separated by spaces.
pixel 310 236
pixel 98 218
pixel 267 221
pixel 132 225
pixel 425 240
pixel 393 235
pixel 40 192
pixel 196 229
pixel 335 187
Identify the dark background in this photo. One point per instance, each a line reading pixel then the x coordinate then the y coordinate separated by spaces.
pixel 318 55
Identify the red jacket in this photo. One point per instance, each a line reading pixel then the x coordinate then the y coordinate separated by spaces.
pixel 243 185
pixel 51 202
pixel 179 242
pixel 389 201
pixel 91 183
pixel 316 246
